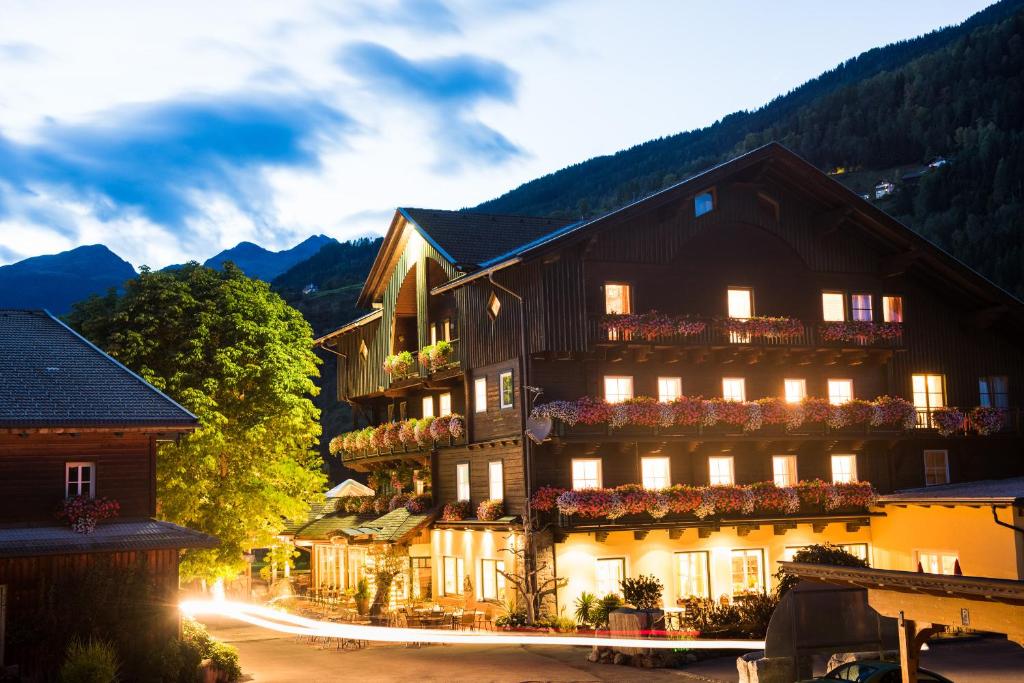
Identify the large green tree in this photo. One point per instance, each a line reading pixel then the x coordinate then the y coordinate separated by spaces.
pixel 241 359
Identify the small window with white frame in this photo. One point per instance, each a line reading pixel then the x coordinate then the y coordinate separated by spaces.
pixel 796 389
pixel 734 389
pixel 833 306
pixel 840 391
pixel 454 570
pixel 784 470
pixel 618 388
pixel 80 479
pixel 844 469
pixel 655 472
pixel 669 389
pixel 496 480
pixel 492 581
pixel 586 473
pixel 937 562
pixel 444 404
pixel 747 571
pixel 428 406
pixel 462 481
pixel 692 575
pixel 507 389
pixel 480 395
pixel 721 471
pixel 936 467
pixel 610 573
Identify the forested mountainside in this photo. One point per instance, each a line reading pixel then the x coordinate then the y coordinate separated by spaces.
pixel 956 93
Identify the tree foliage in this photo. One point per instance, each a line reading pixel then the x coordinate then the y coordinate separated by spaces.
pixel 232 352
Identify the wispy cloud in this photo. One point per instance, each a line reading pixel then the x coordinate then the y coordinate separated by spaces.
pixel 21 52
pixel 424 15
pixel 446 87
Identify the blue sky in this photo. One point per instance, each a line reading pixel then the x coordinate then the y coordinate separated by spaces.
pixel 171 131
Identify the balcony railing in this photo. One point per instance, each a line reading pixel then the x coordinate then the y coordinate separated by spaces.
pixel 401 450
pixel 717 332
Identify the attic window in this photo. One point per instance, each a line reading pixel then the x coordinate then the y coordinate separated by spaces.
pixel 493 306
pixel 363 351
pixel 704 203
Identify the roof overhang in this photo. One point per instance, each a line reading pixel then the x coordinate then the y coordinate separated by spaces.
pixel 348 327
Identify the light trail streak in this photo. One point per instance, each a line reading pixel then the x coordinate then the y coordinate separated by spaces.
pixel 285 622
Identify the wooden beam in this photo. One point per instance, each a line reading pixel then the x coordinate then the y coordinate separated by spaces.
pixel 853 526
pixel 818 527
pixel 600 536
pixel 831 221
pixel 745 529
pixel 706 531
pixel 640 534
pixel 675 534
pixel 781 529
pixel 898 264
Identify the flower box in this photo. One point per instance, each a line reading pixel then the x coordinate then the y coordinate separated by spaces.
pixel 649 326
pixel 400 364
pixel 860 331
pixel 83 512
pixel 436 356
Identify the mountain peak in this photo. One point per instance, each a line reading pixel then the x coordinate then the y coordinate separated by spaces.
pixel 259 262
pixel 56 281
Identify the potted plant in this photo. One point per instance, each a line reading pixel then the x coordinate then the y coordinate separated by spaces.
pixel 644 594
pixel 362 596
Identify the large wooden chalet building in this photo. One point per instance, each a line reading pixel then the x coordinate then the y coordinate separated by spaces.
pixel 802 338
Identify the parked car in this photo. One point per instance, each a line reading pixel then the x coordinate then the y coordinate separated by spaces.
pixel 875 672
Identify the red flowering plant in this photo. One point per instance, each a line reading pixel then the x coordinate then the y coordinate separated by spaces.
pixel 642 411
pixel 774 410
pixel 815 410
pixel 649 326
pixel 687 410
pixel 592 411
pixel 726 499
pixel 635 499
pixel 490 510
pixel 728 412
pixel 422 431
pixel 366 505
pixel 439 428
pixel 948 421
pixel 399 364
pixel 399 500
pixel 545 498
pixel 591 503
pixel 763 326
pixel 771 498
pixel 377 437
pixel 390 438
pixel 863 331
pixel 436 356
pixel 83 512
pixel 407 432
pixel 987 420
pixel 456 425
pixel 418 504
pixel 897 412
pixel 683 499
pixel 857 411
pixel 814 492
pixel 380 505
pixel 455 511
pixel 855 494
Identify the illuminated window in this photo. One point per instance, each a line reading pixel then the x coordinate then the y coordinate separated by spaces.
pixel 610 572
pixel 428 406
pixel 495 480
pixel 844 469
pixel 586 473
pixel 492 583
pixel 692 578
pixel 445 404
pixel 734 389
pixel 892 309
pixel 860 307
pixel 720 470
pixel 506 388
pixel 994 392
pixel 454 569
pixel 669 388
pixel 741 303
pixel 462 481
pixel 937 562
pixel 480 394
pixel 796 390
pixel 617 388
pixel 840 391
pixel 80 479
pixel 363 351
pixel 784 470
pixel 493 306
pixel 929 393
pixel 655 471
pixel 617 298
pixel 833 306
pixel 703 203
pixel 936 467
pixel 747 572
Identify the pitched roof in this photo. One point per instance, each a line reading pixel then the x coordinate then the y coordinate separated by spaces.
pixel 52 376
pixel 389 527
pixel 325 527
pixel 988 491
pixel 397 524
pixel 116 536
pixel 471 239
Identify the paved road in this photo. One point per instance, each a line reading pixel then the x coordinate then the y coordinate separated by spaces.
pixel 268 657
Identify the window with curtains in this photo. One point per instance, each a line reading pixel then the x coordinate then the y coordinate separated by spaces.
pixel 994 391
pixel 507 389
pixel 669 389
pixel 833 306
pixel 586 473
pixel 840 391
pixel 933 562
pixel 617 298
pixel 747 571
pixel 618 388
pixel 80 479
pixel 844 469
pixel 495 480
pixel 480 394
pixel 795 390
pixel 655 472
pixel 929 393
pixel 784 470
pixel 454 575
pixel 428 406
pixel 444 404
pixel 892 309
pixel 936 467
pixel 462 481
pixel 692 576
pixel 610 572
pixel 860 307
pixel 492 583
pixel 720 470
pixel 734 389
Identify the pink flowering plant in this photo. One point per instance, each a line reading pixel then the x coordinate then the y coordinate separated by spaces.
pixel 860 331
pixel 763 326
pixel 490 510
pixel 412 433
pixel 650 326
pixel 418 504
pixel 399 500
pixel 893 411
pixel 399 364
pixel 986 420
pixel 545 498
pixel 455 511
pixel 948 421
pixel 83 512
pixel 436 356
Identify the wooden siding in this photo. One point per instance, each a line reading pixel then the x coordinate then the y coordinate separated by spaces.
pixel 32 473
pixel 512 464
pixel 496 421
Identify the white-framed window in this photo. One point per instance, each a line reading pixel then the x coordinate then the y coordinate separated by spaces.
pixel 586 473
pixel 892 309
pixel 444 404
pixel 692 575
pixel 856 549
pixel 704 203
pixel 784 470
pixel 844 469
pixel 720 470
pixel 454 573
pixel 462 481
pixel 860 307
pixel 428 406
pixel 669 388
pixel 929 393
pixel 610 573
pixel 656 472
pixel 936 467
pixel 618 388
pixel 833 306
pixel 493 306
pixel 80 479
pixel 840 391
pixel 496 480
pixel 734 389
pixel 507 389
pixel 796 389
pixel 994 391
pixel 617 298
pixel 747 571
pixel 492 583
pixel 937 562
pixel 740 302
pixel 480 394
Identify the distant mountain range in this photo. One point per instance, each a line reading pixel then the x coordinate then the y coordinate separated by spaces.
pixel 263 264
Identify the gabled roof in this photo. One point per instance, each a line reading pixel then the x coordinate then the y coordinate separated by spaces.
pixel 390 527
pixel 349 487
pixel 51 376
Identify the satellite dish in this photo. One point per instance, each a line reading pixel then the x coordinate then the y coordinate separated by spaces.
pixel 538 428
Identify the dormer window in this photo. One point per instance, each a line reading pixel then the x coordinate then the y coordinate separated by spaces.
pixel 704 203
pixel 493 306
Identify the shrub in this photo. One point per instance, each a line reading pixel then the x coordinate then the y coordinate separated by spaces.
pixel 93 661
pixel 511 620
pixel 643 592
pixel 602 608
pixel 756 611
pixel 559 623
pixel 817 554
pixel 708 616
pixel 584 606
pixel 221 655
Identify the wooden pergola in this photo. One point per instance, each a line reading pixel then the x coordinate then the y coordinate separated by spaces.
pixel 923 604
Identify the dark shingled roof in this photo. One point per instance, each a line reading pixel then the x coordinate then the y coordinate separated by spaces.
pixel 50 376
pixel 390 527
pixel 979 492
pixel 117 536
pixel 471 239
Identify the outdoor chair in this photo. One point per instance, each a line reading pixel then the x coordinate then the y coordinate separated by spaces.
pixel 467 620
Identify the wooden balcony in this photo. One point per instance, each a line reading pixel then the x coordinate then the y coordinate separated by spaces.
pixel 425 375
pixel 641 525
pixel 362 460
